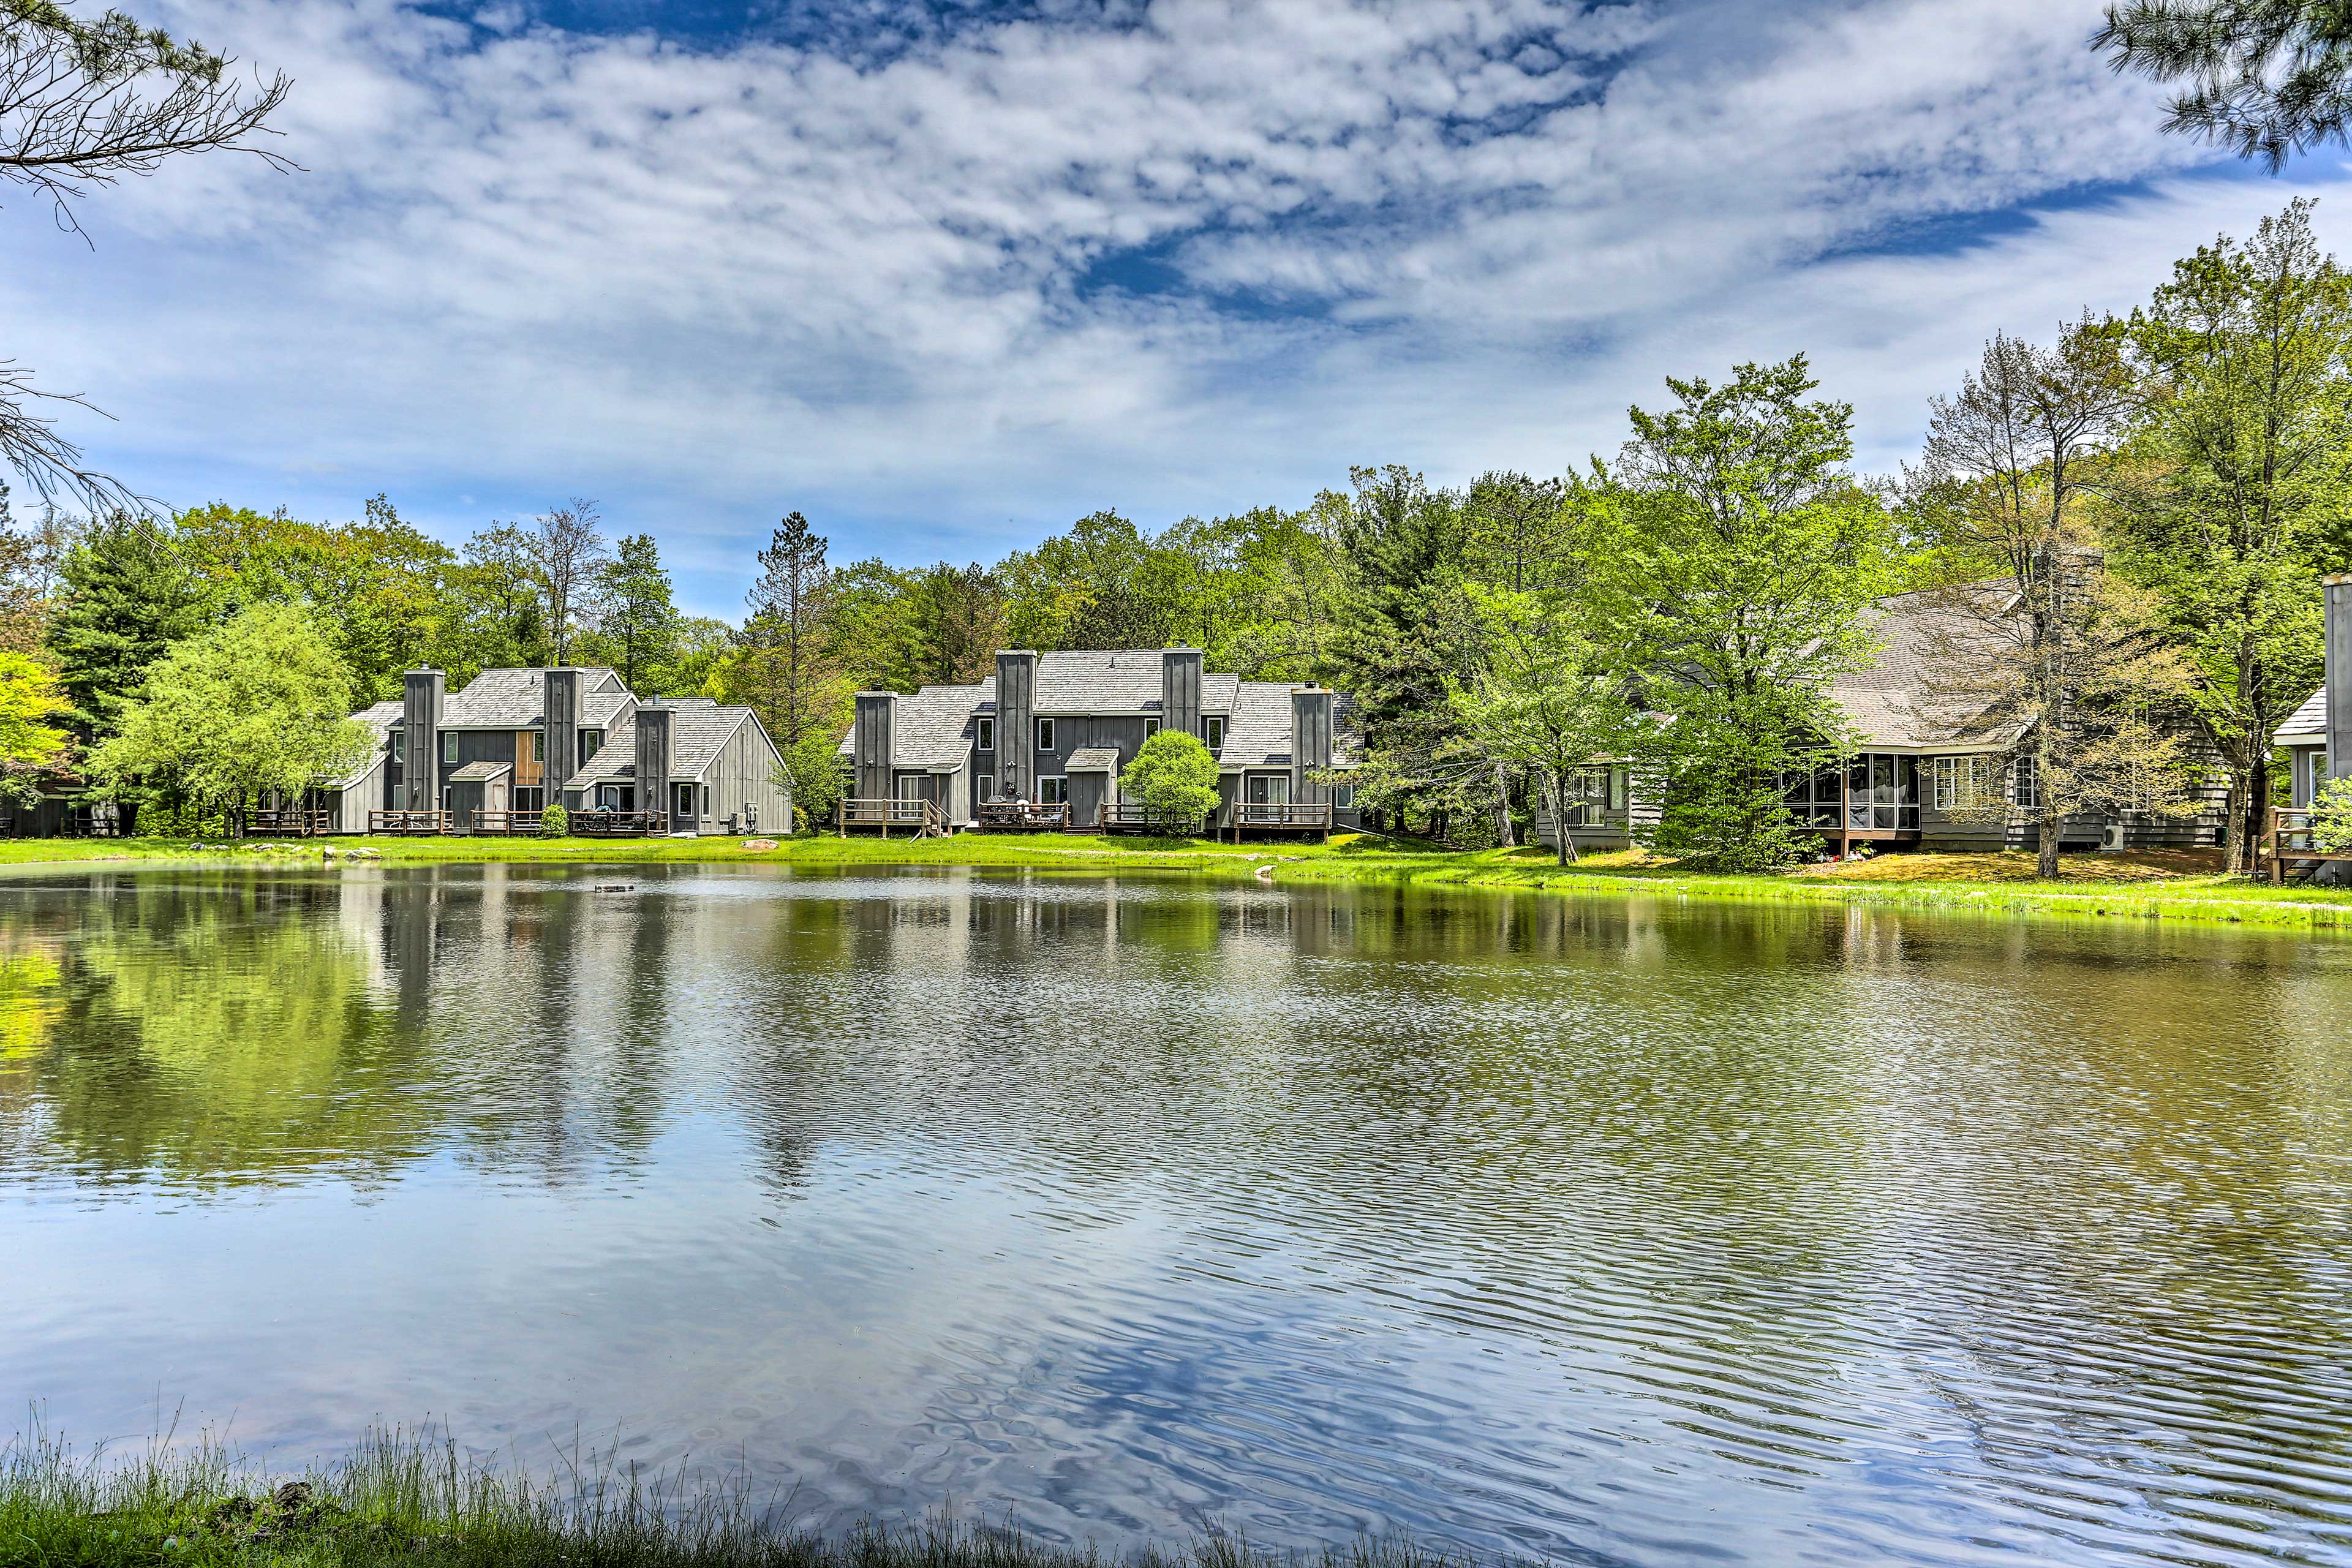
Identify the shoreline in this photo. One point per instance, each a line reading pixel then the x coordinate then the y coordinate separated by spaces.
pixel 1918 882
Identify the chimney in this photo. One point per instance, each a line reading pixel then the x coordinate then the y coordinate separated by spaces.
pixel 1179 690
pixel 1017 735
pixel 2338 589
pixel 560 710
pixel 422 694
pixel 873 744
pixel 653 757
pixel 1310 741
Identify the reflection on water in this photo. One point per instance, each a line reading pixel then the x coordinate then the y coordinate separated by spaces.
pixel 1614 1232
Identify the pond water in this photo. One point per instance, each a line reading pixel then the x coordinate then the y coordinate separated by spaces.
pixel 1614 1232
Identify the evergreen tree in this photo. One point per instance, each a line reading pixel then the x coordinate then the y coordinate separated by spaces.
pixel 128 595
pixel 2265 77
pixel 784 666
pixel 637 622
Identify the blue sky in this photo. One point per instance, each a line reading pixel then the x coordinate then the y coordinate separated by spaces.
pixel 946 276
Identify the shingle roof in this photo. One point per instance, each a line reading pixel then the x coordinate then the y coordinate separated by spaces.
pixel 1093 758
pixel 380 720
pixel 1258 734
pixel 1891 701
pixel 699 730
pixel 2311 718
pixel 1091 680
pixel 507 699
pixel 472 772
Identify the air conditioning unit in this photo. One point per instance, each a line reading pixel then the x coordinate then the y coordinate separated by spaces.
pixel 2113 837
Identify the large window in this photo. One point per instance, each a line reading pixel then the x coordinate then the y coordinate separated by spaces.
pixel 984 735
pixel 1961 781
pixel 1587 795
pixel 449 745
pixel 1054 791
pixel 1044 734
pixel 1876 792
pixel 1213 731
pixel 1269 789
pixel 531 799
pixel 2024 787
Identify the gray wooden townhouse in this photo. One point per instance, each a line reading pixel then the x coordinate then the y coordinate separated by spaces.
pixel 2317 738
pixel 1053 731
pixel 1918 759
pixel 492 756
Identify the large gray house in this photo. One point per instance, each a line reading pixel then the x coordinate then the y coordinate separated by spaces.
pixel 2318 739
pixel 496 753
pixel 1053 730
pixel 1920 757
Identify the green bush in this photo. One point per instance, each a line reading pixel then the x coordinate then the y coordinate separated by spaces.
pixel 2331 817
pixel 555 821
pixel 1173 775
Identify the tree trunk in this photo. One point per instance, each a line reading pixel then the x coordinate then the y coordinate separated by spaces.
pixel 2045 864
pixel 1503 811
pixel 2234 834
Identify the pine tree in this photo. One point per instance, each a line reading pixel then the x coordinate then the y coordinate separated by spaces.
pixel 128 595
pixel 784 666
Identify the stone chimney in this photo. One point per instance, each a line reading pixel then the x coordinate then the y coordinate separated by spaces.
pixel 423 692
pixel 560 708
pixel 1310 741
pixel 874 743
pixel 2338 589
pixel 1179 690
pixel 654 758
pixel 1017 735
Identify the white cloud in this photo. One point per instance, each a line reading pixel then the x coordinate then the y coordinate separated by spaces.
pixel 715 283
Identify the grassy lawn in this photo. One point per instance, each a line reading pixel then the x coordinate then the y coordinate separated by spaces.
pixel 2177 885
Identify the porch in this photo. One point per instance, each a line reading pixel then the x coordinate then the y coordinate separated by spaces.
pixel 918 816
pixel 290 823
pixel 619 824
pixel 1280 819
pixel 1127 816
pixel 1023 817
pixel 2289 839
pixel 412 824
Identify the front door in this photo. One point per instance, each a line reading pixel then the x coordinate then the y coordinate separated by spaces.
pixel 1269 789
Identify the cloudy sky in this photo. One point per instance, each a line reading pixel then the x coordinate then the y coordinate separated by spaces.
pixel 948 274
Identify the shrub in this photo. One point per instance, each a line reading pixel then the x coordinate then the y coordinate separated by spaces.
pixel 555 821
pixel 2331 817
pixel 1175 776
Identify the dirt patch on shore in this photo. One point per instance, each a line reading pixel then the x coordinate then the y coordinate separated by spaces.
pixel 2018 865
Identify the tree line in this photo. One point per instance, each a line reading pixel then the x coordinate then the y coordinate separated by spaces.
pixel 2119 527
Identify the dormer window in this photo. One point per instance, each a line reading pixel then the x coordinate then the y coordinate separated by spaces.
pixel 1213 731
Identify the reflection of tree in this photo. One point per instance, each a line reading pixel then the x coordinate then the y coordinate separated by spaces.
pixel 209 1032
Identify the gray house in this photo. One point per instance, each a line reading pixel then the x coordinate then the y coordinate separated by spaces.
pixel 2318 738
pixel 1920 757
pixel 492 756
pixel 1053 730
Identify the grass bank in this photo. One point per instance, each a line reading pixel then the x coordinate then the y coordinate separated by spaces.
pixel 399 1501
pixel 2182 885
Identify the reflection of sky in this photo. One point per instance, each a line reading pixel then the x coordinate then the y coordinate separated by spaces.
pixel 1614 1232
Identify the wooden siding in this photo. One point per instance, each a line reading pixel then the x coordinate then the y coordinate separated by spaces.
pixel 743 794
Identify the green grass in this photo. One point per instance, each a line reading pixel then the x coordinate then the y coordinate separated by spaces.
pixel 415 1504
pixel 1893 881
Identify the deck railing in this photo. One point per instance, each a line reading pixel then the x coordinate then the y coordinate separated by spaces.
pixel 920 817
pixel 1025 815
pixel 301 824
pixel 619 824
pixel 2289 838
pixel 1306 817
pixel 509 824
pixel 411 822
pixel 1127 816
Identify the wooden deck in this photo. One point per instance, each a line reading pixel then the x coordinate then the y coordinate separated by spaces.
pixel 412 824
pixel 2289 839
pixel 1124 817
pixel 920 818
pixel 1291 817
pixel 619 824
pixel 1024 816
pixel 299 824
pixel 509 824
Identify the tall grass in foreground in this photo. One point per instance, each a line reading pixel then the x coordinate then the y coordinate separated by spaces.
pixel 414 1500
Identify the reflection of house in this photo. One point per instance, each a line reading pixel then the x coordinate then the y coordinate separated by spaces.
pixel 2327 717
pixel 1923 763
pixel 1053 730
pixel 513 741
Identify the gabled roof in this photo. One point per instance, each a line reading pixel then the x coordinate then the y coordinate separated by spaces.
pixel 474 772
pixel 2307 724
pixel 509 699
pixel 699 730
pixel 381 719
pixel 1891 701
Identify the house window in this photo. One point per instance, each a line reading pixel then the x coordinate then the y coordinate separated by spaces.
pixel 531 799
pixel 450 746
pixel 400 745
pixel 590 743
pixel 1618 783
pixel 984 734
pixel 1959 782
pixel 1587 795
pixel 984 787
pixel 2024 787
pixel 1054 791
pixel 538 745
pixel 1213 731
pixel 608 797
pixel 1150 728
pixel 1343 797
pixel 1269 789
pixel 911 787
pixel 1044 734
